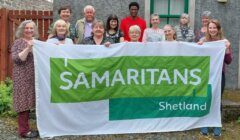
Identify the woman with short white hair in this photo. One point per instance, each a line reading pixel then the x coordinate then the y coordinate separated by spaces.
pixel 134 33
pixel 60 32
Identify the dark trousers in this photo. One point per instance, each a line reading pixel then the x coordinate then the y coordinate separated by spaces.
pixel 222 88
pixel 23 123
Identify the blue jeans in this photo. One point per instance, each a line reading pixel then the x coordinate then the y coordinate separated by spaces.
pixel 216 131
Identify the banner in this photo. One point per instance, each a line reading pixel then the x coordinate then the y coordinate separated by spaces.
pixel 127 87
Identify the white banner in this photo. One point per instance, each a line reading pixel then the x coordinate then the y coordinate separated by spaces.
pixel 127 88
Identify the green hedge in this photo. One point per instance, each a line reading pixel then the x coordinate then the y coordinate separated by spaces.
pixel 6 98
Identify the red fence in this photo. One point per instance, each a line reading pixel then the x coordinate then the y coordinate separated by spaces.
pixel 9 21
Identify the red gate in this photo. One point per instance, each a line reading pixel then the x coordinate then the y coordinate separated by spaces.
pixel 9 21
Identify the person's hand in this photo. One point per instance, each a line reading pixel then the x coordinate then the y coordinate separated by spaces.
pixel 200 42
pixel 107 44
pixel 228 46
pixel 30 45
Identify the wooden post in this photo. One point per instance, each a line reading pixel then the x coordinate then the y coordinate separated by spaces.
pixel 3 43
pixel 11 38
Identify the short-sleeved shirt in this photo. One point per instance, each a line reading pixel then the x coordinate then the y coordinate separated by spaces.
pixel 129 21
pixel 115 37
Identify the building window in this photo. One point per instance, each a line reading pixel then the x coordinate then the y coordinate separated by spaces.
pixel 169 10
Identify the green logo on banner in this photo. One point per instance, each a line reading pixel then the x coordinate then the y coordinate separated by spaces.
pixel 162 83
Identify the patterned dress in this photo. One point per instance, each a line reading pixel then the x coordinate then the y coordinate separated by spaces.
pixel 23 78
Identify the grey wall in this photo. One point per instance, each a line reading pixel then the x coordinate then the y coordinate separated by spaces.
pixel 229 16
pixel 103 8
pixel 26 4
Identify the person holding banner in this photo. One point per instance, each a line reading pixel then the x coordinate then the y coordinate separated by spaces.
pixel 214 33
pixel 98 35
pixel 23 76
pixel 60 32
pixel 134 33
pixel 170 33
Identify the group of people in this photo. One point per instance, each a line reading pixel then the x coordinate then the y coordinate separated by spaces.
pixel 90 30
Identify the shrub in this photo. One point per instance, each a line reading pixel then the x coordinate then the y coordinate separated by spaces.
pixel 238 120
pixel 6 93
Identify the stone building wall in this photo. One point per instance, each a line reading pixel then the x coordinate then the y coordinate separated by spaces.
pixel 26 4
pixel 103 8
pixel 229 16
pixel 228 13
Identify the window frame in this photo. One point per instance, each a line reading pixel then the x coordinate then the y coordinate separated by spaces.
pixel 169 16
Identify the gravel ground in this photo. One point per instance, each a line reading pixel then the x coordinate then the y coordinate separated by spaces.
pixel 8 131
pixel 230 130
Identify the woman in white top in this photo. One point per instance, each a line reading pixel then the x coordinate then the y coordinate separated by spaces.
pixel 60 31
pixel 153 34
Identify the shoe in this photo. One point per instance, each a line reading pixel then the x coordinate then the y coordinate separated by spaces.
pixel 31 134
pixel 217 137
pixel 217 131
pixel 204 134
